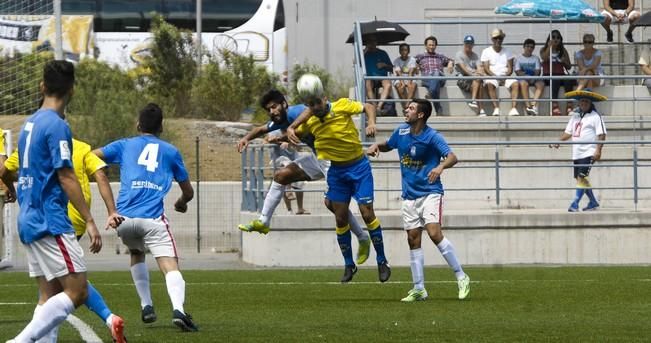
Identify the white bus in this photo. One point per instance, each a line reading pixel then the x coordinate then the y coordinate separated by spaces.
pixel 116 31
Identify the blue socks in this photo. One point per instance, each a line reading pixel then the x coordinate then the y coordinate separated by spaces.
pixel 375 230
pixel 578 196
pixel 344 240
pixel 591 196
pixel 96 303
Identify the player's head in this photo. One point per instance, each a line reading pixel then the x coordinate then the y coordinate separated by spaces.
pixel 150 119
pixel 318 105
pixel 418 109
pixel 275 104
pixel 58 80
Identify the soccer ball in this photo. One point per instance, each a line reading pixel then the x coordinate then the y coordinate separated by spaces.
pixel 309 85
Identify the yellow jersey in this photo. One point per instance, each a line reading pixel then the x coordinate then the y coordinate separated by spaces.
pixel 336 138
pixel 3 151
pixel 85 164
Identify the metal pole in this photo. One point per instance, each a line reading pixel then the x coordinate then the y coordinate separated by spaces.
pixel 198 198
pixel 635 185
pixel 199 19
pixel 497 178
pixel 58 46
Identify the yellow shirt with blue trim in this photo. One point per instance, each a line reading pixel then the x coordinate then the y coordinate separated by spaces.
pixel 3 151
pixel 85 164
pixel 336 137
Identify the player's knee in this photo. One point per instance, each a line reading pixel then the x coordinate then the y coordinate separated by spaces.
pixel 282 177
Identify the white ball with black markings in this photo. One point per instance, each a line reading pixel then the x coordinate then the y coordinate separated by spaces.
pixel 309 85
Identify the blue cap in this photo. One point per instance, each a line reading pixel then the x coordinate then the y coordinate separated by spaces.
pixel 469 39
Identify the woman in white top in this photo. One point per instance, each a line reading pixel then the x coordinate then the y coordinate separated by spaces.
pixel 588 62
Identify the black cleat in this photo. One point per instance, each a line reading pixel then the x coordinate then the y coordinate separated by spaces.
pixel 384 271
pixel 349 271
pixel 148 314
pixel 183 321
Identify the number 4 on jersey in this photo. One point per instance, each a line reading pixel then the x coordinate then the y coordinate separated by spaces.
pixel 149 157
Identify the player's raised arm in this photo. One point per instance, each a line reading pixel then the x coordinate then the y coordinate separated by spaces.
pixel 253 134
pixel 187 193
pixel 70 185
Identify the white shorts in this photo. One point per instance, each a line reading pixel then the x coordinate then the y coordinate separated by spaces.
pixel 507 82
pixel 55 256
pixel 424 210
pixel 153 234
pixel 626 18
pixel 315 169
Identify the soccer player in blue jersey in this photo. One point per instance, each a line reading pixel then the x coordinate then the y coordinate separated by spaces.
pixel 424 154
pixel 148 165
pixel 305 168
pixel 46 181
pixel 337 139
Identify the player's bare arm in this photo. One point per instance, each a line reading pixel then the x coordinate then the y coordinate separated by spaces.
pixel 565 136
pixel 114 219
pixel 70 185
pixel 187 193
pixel 375 149
pixel 8 179
pixel 370 111
pixel 597 153
pixel 448 162
pixel 291 130
pixel 253 134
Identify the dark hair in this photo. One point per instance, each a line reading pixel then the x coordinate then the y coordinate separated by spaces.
pixel 272 95
pixel 58 78
pixel 529 41
pixel 404 44
pixel 150 119
pixel 561 48
pixel 424 106
pixel 436 42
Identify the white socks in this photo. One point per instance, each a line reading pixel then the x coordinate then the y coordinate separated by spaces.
pixel 271 201
pixel 176 289
pixel 46 318
pixel 140 276
pixel 417 260
pixel 356 228
pixel 447 250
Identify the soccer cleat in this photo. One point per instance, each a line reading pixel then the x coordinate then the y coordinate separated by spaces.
pixel 184 321
pixel 592 206
pixel 609 36
pixel 629 37
pixel 148 314
pixel 363 250
pixel 117 329
pixel 415 295
pixel 514 112
pixel 384 271
pixel 464 287
pixel 256 226
pixel 349 272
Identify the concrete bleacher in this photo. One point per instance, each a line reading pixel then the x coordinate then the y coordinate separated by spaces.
pixel 642 105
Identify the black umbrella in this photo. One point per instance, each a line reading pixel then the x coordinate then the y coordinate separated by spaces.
pixel 645 20
pixel 384 32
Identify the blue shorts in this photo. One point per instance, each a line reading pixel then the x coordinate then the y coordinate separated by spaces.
pixel 353 180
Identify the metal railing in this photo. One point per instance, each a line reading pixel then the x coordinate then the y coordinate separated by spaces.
pixel 256 171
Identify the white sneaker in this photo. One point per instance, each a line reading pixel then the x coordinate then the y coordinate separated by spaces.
pixel 473 105
pixel 533 110
pixel 514 112
pixel 482 113
pixel 496 112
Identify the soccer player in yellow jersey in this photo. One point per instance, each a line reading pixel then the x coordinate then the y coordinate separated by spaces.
pixel 349 176
pixel 87 164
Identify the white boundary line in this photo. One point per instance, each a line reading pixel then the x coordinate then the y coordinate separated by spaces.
pixel 86 332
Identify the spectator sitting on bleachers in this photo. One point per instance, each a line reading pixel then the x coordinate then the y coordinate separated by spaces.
pixel 560 65
pixel 467 62
pixel 405 65
pixel 588 61
pixel 431 63
pixel 377 63
pixel 620 12
pixel 528 64
pixel 645 65
pixel 498 61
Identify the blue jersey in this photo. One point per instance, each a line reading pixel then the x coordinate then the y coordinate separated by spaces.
pixel 292 113
pixel 418 156
pixel 148 165
pixel 44 146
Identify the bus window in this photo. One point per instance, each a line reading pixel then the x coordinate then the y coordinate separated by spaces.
pixel 181 13
pixel 279 23
pixel 126 16
pixel 84 7
pixel 225 15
